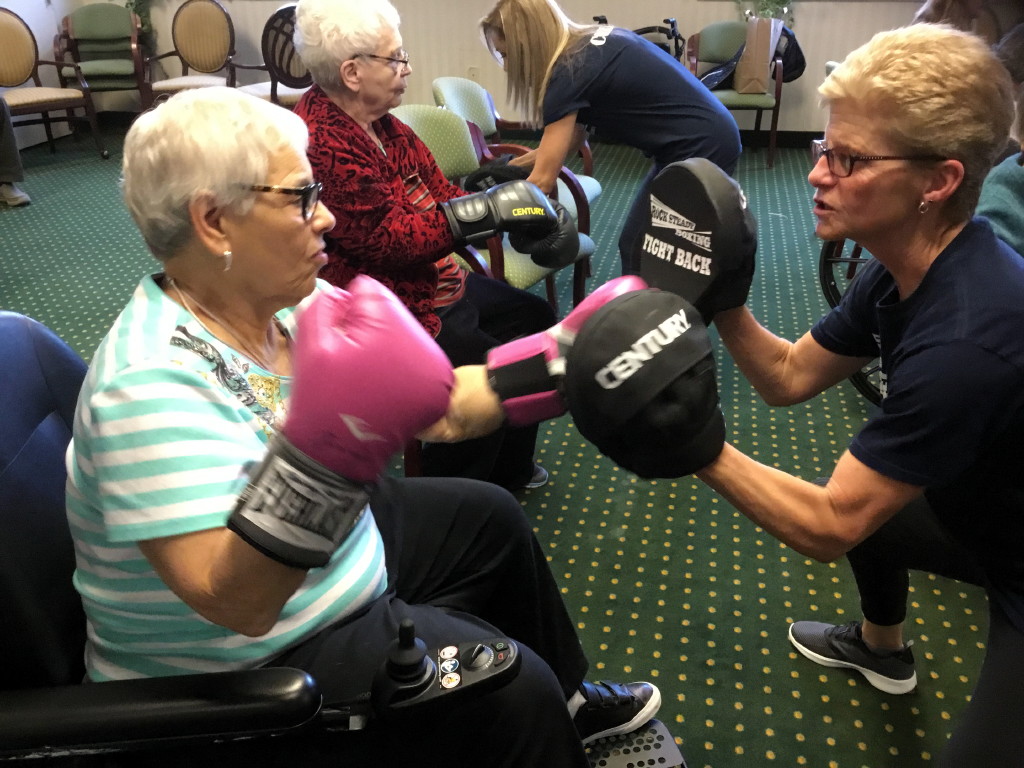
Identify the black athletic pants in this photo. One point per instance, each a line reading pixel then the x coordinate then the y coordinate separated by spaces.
pixel 490 313
pixel 989 733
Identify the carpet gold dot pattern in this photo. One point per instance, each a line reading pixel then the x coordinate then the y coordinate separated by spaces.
pixel 666 580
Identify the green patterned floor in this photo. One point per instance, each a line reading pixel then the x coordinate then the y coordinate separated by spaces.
pixel 669 583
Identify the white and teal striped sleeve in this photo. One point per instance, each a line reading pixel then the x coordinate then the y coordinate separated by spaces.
pixel 169 451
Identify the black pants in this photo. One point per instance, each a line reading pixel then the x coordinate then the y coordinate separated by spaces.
pixel 989 732
pixel 490 313
pixel 464 565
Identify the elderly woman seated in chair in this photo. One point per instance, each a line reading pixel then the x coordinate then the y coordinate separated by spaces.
pixel 225 517
pixel 385 191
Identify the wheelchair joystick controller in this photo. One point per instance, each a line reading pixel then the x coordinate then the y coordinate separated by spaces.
pixel 411 678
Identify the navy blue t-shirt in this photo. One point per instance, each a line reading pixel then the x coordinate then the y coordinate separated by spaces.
pixel 637 94
pixel 952 416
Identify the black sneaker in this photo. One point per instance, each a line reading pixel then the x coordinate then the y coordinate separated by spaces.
pixel 610 709
pixel 539 478
pixel 842 646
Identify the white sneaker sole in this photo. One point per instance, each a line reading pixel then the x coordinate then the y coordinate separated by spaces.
pixel 650 710
pixel 882 683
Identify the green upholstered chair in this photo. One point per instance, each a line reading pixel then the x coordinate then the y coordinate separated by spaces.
pixel 103 39
pixel 459 149
pixel 204 44
pixel 26 94
pixel 289 78
pixel 471 101
pixel 716 44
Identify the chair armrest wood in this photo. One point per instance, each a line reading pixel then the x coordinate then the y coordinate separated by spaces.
pixel 60 66
pixel 472 257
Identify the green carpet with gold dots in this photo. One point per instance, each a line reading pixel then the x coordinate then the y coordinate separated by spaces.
pixel 667 581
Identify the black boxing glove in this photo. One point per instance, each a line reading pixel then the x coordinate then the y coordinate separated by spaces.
pixel 550 246
pixel 503 208
pixel 494 173
pixel 640 384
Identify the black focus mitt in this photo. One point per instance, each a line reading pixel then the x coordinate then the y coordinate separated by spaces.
pixel 640 384
pixel 700 239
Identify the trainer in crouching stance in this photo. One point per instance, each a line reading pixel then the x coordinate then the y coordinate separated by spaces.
pixel 226 494
pixel 932 480
pixel 398 219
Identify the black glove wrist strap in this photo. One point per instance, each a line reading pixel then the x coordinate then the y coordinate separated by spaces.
pixel 295 510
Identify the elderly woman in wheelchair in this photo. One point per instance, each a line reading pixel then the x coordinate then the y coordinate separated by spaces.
pixel 228 495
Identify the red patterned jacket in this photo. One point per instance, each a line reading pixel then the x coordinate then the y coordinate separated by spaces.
pixel 379 233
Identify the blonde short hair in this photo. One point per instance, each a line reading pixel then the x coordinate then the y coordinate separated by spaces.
pixel 329 32
pixel 537 34
pixel 935 90
pixel 214 141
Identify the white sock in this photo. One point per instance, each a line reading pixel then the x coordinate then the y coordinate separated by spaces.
pixel 575 703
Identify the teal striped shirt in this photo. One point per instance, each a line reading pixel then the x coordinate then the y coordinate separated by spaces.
pixel 170 424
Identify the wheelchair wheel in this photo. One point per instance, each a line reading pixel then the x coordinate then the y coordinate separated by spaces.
pixel 836 270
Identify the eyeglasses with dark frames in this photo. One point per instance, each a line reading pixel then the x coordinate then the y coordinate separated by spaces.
pixel 308 195
pixel 840 164
pixel 401 61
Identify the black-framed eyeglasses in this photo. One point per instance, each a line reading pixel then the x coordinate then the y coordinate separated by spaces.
pixel 401 61
pixel 308 195
pixel 841 163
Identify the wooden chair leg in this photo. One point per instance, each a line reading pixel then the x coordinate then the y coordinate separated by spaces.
pixel 49 133
pixel 772 135
pixel 549 284
pixel 580 273
pixel 90 112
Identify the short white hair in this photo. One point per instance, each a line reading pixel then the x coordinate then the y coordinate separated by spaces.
pixel 329 32
pixel 213 141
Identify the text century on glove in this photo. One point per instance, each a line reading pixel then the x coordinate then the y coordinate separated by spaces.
pixel 625 364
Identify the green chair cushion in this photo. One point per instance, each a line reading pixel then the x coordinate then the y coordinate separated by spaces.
pixel 734 100
pixel 104 68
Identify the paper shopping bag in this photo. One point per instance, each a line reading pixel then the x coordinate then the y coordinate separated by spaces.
pixel 753 70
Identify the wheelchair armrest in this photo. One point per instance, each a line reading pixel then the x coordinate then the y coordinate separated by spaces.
pixel 130 713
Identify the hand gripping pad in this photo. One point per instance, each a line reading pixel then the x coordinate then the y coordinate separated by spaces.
pixel 640 384
pixel 700 235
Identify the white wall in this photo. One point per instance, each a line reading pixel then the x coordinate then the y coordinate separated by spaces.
pixel 441 36
pixel 826 30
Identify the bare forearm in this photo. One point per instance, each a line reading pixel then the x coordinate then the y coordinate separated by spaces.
pixel 820 521
pixel 224 579
pixel 759 354
pixel 782 372
pixel 796 512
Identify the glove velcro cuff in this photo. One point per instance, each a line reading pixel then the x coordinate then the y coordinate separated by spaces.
pixel 520 373
pixel 295 510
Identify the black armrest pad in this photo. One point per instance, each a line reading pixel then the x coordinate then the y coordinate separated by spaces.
pixel 222 704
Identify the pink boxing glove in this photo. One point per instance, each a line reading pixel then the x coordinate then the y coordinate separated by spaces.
pixel 527 373
pixel 366 379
